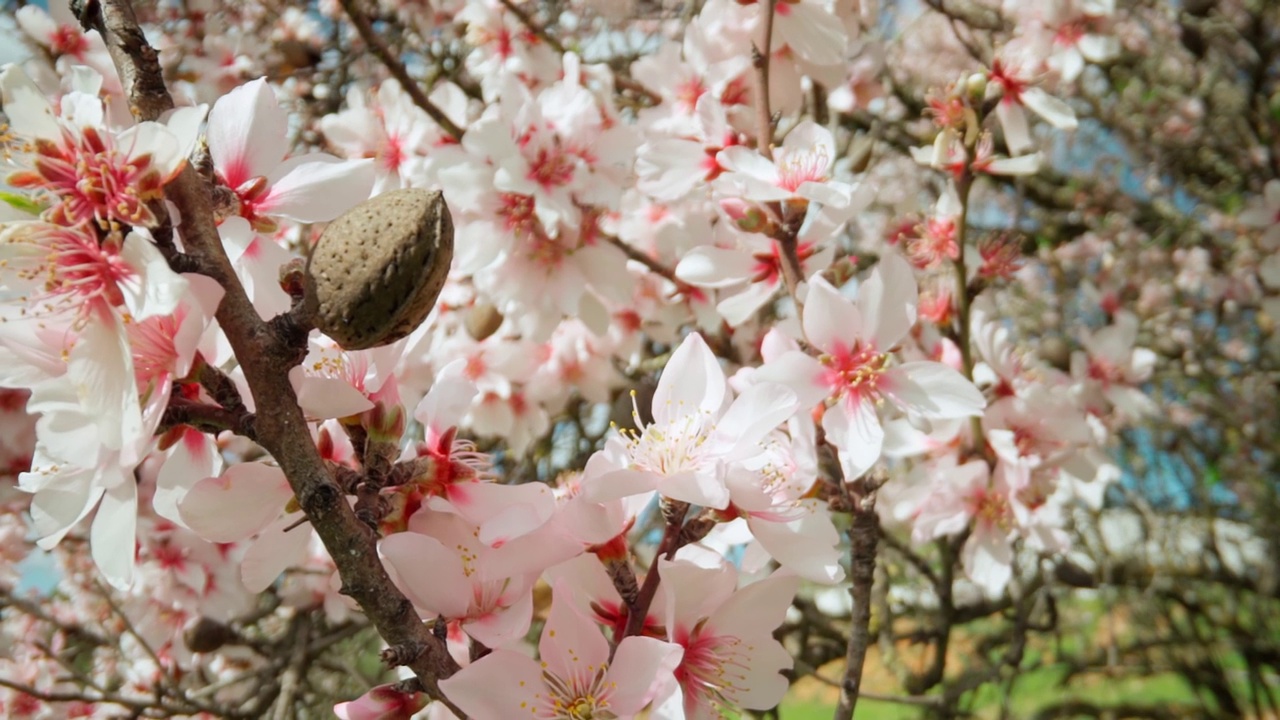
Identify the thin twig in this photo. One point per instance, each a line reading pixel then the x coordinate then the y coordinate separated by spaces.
pixel 538 31
pixel 291 679
pixel 654 266
pixel 397 69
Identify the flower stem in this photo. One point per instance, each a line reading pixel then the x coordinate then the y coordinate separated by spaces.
pixel 637 612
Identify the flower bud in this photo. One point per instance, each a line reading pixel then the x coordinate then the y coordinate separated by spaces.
pixel 376 271
pixel 976 86
pixel 747 216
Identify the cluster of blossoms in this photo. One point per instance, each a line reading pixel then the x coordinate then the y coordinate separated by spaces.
pixel 592 239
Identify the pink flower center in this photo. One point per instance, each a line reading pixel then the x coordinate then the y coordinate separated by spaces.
pixel 582 697
pixel 1105 371
pixel 801 166
pixel 154 353
pixel 551 168
pixel 688 92
pixel 544 251
pixel 936 244
pixel 713 669
pixel 1012 86
pixel 854 373
pixel 92 180
pixel 77 272
pixel 392 154
pixel 768 266
pixel 990 509
pixel 68 40
pixel 516 212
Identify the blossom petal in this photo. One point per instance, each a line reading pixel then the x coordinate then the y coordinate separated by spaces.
pixel 798 371
pixel 503 626
pixel 933 390
pixel 692 381
pixel 831 319
pixel 619 484
pixel 755 413
pixel 571 644
pixel 715 267
pixel 26 106
pixel 813 33
pixel 157 290
pixel 246 132
pixel 854 428
pixel 276 549
pixel 499 686
pixel 57 507
pixel 322 398
pixel 430 574
pixel 887 301
pixel 641 668
pixel 807 545
pixel 1054 111
pixel 237 504
pixel 101 367
pixel 319 190
pixel 195 455
pixel 1013 119
pixel 113 537
pixel 698 488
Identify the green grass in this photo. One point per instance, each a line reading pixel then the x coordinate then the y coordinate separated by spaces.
pixel 1032 691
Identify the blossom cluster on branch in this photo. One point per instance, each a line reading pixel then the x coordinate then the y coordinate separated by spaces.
pixel 732 303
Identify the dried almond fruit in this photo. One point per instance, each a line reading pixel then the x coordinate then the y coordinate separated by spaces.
pixel 376 271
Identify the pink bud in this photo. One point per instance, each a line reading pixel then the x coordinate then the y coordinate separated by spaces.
pixel 748 216
pixel 384 702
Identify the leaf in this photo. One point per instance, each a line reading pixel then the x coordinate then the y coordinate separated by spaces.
pixel 21 203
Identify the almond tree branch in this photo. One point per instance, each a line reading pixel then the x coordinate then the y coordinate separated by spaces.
pixel 760 58
pixel 864 536
pixel 619 81
pixel 674 513
pixel 654 266
pixel 397 69
pixel 266 351
pixel 534 27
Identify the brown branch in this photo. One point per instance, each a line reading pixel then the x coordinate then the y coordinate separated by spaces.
pixel 220 387
pixel 619 81
pixel 534 27
pixel 266 353
pixel 864 535
pixel 291 679
pixel 760 58
pixel 207 418
pixel 654 266
pixel 397 69
pixel 622 82
pixel 66 697
pixel 638 611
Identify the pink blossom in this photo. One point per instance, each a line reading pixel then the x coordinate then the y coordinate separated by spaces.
pixel 247 142
pixel 576 677
pixel 383 702
pixel 1012 73
pixel 800 170
pixel 730 659
pixel 698 429
pixel 855 370
pixel 84 171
